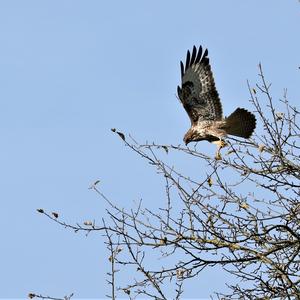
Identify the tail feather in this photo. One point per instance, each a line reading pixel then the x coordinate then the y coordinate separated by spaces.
pixel 241 123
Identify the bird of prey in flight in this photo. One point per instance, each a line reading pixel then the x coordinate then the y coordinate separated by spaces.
pixel 201 101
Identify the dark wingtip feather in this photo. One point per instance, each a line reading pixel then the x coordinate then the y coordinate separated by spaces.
pixel 195 58
pixel 187 62
pixel 181 68
pixel 205 61
pixel 179 91
pixel 199 55
pixel 193 55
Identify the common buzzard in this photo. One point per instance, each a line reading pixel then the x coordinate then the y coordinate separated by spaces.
pixel 201 101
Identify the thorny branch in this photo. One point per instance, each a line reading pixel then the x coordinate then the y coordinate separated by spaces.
pixel 36 296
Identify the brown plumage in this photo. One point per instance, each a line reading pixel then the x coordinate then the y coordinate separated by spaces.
pixel 201 101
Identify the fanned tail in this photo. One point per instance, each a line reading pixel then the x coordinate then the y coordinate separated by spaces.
pixel 241 123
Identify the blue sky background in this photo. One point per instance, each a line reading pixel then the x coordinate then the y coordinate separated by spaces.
pixel 70 71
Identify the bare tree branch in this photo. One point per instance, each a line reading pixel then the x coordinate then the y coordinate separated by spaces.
pixel 240 214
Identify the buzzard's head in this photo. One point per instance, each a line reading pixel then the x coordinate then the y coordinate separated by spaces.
pixel 197 136
pixel 192 136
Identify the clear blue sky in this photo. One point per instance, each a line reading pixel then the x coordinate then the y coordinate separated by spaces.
pixel 70 71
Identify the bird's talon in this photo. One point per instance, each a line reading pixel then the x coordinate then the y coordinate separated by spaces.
pixel 218 156
pixel 222 144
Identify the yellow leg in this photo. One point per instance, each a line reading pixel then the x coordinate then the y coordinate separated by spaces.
pixel 220 144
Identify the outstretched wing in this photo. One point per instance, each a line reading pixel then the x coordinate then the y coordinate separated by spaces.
pixel 198 93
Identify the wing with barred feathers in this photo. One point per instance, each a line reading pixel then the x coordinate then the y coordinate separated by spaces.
pixel 198 93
